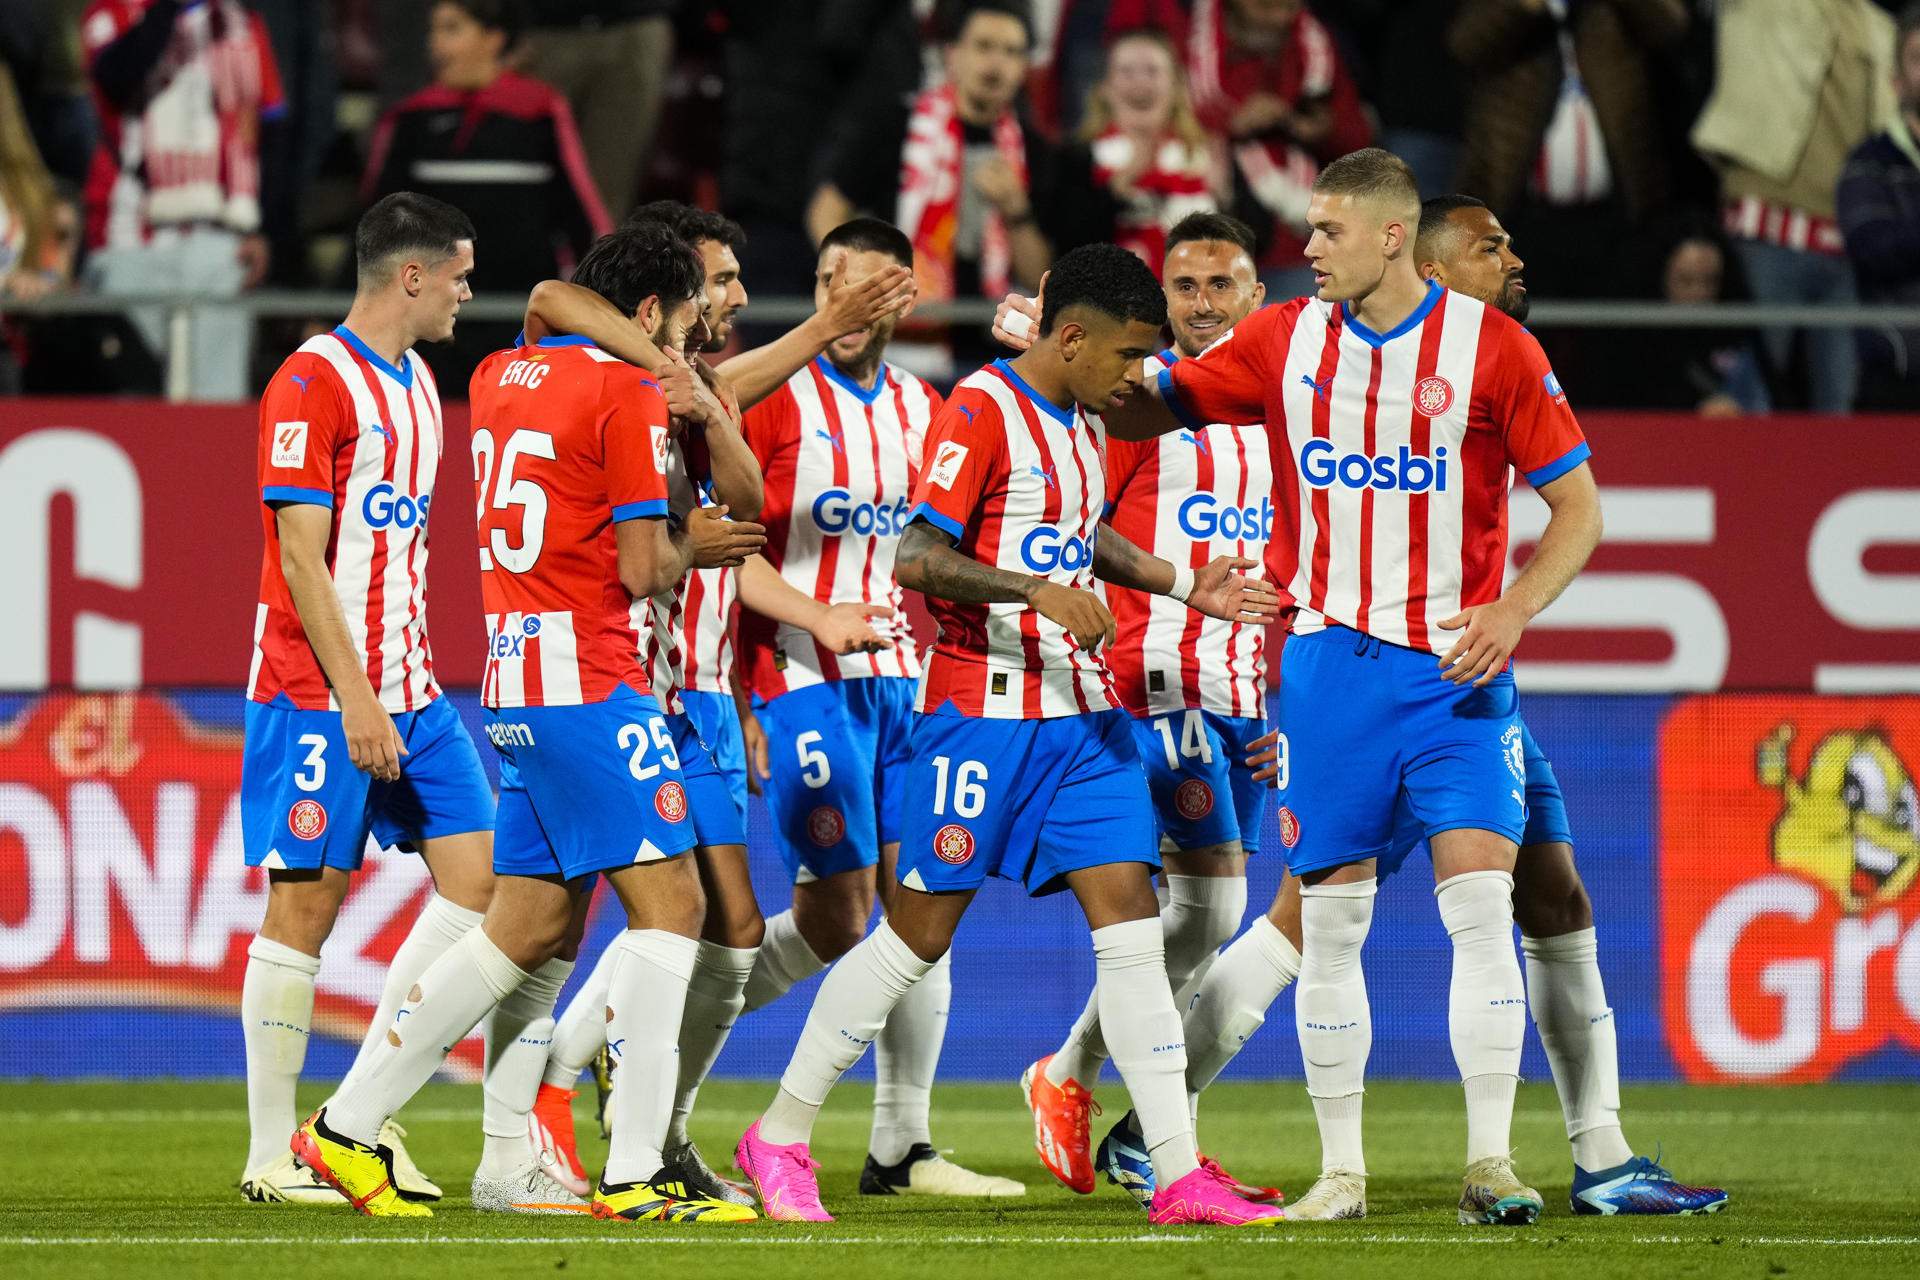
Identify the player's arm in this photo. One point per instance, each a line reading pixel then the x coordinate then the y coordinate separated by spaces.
pixel 1228 383
pixel 556 307
pixel 851 306
pixel 708 540
pixel 649 561
pixel 737 480
pixel 1218 588
pixel 841 628
pixel 372 741
pixel 929 561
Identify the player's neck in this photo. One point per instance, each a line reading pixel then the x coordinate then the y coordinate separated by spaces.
pixel 383 328
pixel 864 372
pixel 1041 369
pixel 1397 296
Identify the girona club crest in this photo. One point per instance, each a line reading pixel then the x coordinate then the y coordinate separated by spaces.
pixel 1433 396
pixel 1194 799
pixel 1289 827
pixel 825 826
pixel 307 819
pixel 670 802
pixel 953 843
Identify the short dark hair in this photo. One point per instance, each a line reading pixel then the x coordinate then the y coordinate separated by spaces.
pixel 691 224
pixel 1371 173
pixel 1211 226
pixel 639 260
pixel 1435 212
pixel 870 235
pixel 406 222
pixel 1111 280
pixel 494 15
pixel 950 17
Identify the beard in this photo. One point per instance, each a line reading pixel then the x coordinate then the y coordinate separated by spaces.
pixel 1514 302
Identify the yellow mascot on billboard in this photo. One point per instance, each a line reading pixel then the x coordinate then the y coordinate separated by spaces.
pixel 1852 823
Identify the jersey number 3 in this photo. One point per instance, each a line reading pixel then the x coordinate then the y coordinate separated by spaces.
pixel 507 493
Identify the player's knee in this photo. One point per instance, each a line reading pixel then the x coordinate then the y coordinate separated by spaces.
pixel 835 932
pixel 740 926
pixel 1548 911
pixel 300 913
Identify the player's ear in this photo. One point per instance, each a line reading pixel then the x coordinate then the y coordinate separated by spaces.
pixel 1259 294
pixel 413 277
pixel 1069 334
pixel 648 314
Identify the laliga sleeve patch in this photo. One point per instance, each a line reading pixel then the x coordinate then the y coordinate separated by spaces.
pixel 1194 799
pixel 289 445
pixel 1289 827
pixel 946 464
pixel 307 819
pixel 953 843
pixel 825 826
pixel 660 444
pixel 670 801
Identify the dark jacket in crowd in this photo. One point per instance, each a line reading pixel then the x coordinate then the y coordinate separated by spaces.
pixel 1879 208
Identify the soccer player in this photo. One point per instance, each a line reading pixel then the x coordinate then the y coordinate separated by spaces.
pixel 571 453
pixel 1403 404
pixel 1021 763
pixel 1462 245
pixel 346 731
pixel 840 445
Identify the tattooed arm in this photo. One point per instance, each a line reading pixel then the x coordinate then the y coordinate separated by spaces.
pixel 1216 588
pixel 929 562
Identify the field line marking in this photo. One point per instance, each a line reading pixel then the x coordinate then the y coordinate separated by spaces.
pixel 1260 1240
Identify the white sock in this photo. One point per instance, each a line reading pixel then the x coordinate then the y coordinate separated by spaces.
pixel 582 1027
pixel 645 1003
pixel 905 1056
pixel 1486 1004
pixel 1233 999
pixel 1334 1020
pixel 715 996
pixel 439 925
pixel 784 962
pixel 276 1017
pixel 455 992
pixel 1569 1003
pixel 519 1034
pixel 854 1003
pixel 1143 1027
pixel 1198 915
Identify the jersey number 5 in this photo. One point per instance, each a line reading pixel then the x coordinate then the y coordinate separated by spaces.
pixel 508 492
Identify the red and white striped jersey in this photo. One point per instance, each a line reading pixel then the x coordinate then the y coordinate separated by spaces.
pixel 342 428
pixel 1018 482
pixel 1391 493
pixel 661 622
pixel 567 442
pixel 1187 497
pixel 840 463
pixel 707 613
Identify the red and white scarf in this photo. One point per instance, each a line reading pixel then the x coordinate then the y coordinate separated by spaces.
pixel 932 169
pixel 1279 173
pixel 1172 185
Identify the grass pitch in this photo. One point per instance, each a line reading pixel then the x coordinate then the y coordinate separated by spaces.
pixel 120 1180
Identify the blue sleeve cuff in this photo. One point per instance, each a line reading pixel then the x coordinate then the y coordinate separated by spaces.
pixel 939 520
pixel 1170 396
pixel 1542 476
pixel 1106 511
pixel 294 493
pixel 655 508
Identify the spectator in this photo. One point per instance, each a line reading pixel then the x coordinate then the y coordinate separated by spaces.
pixel 189 101
pixel 1800 85
pixel 40 45
pixel 305 49
pixel 1879 208
pixel 1267 75
pixel 499 146
pixel 1420 97
pixel 26 203
pixel 1148 149
pixel 1560 122
pixel 611 58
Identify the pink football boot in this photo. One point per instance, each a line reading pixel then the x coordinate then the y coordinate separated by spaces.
pixel 1201 1198
pixel 782 1177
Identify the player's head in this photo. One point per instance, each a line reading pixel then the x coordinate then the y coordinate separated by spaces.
pixel 1210 279
pixel 719 241
pixel 858 249
pixel 1906 59
pixel 1463 246
pixel 419 252
pixel 1363 219
pixel 466 40
pixel 987 42
pixel 649 273
pixel 1100 316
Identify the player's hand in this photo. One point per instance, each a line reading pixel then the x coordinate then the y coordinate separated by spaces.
pixel 1017 319
pixel 1221 590
pixel 1261 113
pixel 688 399
pixel 848 628
pixel 1263 757
pixel 373 744
pixel 853 305
pixel 720 543
pixel 754 739
pixel 1488 640
pixel 721 386
pixel 1080 612
pixel 255 256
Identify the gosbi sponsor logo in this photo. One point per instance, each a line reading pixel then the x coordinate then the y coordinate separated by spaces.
pixel 670 801
pixel 835 511
pixel 1203 516
pixel 123 881
pixel 1193 798
pixel 1322 465
pixel 953 843
pixel 825 826
pixel 1046 549
pixel 386 506
pixel 1789 849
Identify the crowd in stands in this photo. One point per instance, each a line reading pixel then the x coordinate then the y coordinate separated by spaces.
pixel 1673 151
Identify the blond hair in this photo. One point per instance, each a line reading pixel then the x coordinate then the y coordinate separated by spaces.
pixel 1375 175
pixel 1184 124
pixel 26 188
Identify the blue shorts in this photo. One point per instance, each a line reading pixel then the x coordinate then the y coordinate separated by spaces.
pixel 1026 800
pixel 838 755
pixel 1546 812
pixel 303 804
pixel 1203 792
pixel 587 788
pixel 717 720
pixel 1371 725
pixel 717 819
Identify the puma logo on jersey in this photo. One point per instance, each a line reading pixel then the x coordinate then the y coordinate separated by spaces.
pixel 385 432
pixel 289 445
pixel 964 409
pixel 839 443
pixel 1046 476
pixel 1197 441
pixel 302 381
pixel 1319 388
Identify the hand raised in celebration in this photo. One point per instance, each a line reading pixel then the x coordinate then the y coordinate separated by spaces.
pixel 853 305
